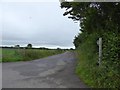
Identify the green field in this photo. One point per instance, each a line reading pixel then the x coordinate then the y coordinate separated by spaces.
pixel 13 55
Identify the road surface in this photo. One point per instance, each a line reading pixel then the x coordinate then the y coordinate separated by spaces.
pixel 52 72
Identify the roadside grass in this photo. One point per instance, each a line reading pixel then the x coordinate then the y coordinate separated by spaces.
pixel 86 64
pixel 93 75
pixel 13 55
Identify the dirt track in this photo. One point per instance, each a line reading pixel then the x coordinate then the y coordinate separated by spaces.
pixel 52 72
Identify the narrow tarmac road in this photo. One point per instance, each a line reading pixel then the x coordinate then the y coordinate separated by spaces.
pixel 52 72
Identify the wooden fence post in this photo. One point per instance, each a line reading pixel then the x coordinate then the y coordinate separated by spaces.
pixel 100 51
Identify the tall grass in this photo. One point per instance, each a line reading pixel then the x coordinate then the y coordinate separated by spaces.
pixel 12 55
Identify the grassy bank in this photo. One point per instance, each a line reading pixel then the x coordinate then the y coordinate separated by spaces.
pixel 107 74
pixel 87 59
pixel 13 55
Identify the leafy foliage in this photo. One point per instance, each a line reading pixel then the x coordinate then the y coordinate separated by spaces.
pixel 94 16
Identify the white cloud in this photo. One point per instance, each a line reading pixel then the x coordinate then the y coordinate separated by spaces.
pixel 37 23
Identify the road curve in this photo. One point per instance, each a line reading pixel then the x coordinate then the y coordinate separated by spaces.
pixel 52 72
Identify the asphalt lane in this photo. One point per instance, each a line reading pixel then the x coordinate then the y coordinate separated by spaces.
pixel 52 72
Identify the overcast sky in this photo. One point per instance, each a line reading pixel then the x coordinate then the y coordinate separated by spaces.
pixel 40 23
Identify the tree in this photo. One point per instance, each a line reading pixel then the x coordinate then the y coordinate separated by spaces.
pixel 29 46
pixel 98 19
pixel 94 16
pixel 17 46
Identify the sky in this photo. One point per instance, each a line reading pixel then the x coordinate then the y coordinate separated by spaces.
pixel 40 23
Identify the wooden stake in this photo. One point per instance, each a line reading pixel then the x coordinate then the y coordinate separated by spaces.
pixel 100 51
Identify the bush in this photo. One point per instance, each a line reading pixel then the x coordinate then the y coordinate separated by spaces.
pixel 107 74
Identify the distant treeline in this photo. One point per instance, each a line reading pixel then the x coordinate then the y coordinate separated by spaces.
pixel 41 48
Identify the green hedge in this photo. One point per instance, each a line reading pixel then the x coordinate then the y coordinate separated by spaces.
pixel 107 74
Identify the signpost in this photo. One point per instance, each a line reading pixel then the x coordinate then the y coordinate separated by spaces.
pixel 99 43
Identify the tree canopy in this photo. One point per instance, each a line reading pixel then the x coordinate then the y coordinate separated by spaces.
pixel 29 46
pixel 94 16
